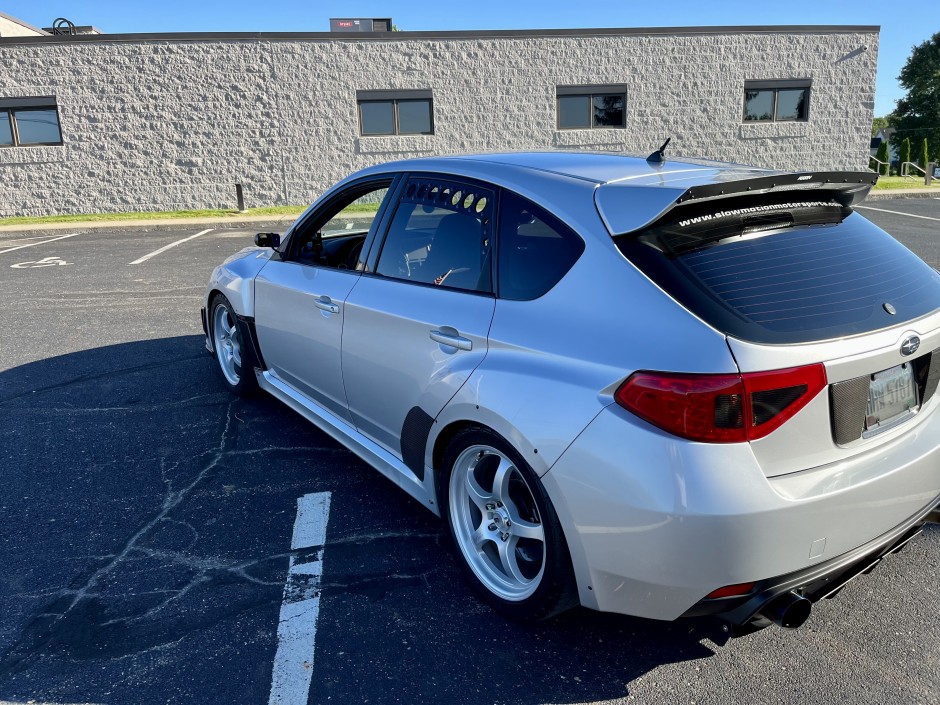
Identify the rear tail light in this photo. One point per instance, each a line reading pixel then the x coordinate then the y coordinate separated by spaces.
pixel 721 408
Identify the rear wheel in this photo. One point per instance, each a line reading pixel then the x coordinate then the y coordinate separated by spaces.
pixel 231 352
pixel 504 528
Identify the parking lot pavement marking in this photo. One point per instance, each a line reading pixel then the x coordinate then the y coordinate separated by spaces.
pixel 167 247
pixel 297 624
pixel 33 244
pixel 53 261
pixel 910 215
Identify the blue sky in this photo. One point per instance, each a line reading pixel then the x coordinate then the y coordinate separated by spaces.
pixel 900 31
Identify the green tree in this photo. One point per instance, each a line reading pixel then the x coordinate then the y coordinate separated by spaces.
pixel 923 154
pixel 904 155
pixel 918 113
pixel 880 123
pixel 882 156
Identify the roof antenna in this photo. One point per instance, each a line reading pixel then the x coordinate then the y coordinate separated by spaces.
pixel 659 156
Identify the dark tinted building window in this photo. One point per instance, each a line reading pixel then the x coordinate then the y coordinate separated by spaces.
pixel 6 131
pixel 414 117
pixel 29 121
pixel 37 126
pixel 535 249
pixel 766 102
pixel 584 107
pixel 377 118
pixel 395 112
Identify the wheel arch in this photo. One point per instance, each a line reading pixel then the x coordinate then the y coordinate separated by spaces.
pixel 457 418
pixel 246 326
pixel 439 446
pixel 235 278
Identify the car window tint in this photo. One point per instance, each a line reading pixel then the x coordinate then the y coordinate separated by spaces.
pixel 440 235
pixel 787 283
pixel 535 249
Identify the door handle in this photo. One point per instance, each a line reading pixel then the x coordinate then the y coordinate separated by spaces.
pixel 325 304
pixel 455 340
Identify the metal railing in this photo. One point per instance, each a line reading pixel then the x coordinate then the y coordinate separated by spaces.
pixel 877 170
pixel 905 169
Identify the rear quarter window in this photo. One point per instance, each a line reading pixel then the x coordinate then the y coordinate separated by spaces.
pixel 535 249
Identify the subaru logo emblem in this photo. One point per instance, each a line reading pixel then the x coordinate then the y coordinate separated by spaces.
pixel 910 345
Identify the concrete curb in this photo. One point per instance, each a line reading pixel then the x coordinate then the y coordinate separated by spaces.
pixel 261 222
pixel 886 194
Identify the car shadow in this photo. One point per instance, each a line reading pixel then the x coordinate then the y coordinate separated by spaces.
pixel 146 527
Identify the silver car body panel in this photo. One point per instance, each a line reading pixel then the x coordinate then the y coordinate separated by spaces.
pixel 299 313
pixel 391 362
pixel 532 368
pixel 806 441
pixel 235 278
pixel 653 522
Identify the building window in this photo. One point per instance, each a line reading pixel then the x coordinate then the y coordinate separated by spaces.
pixel 29 121
pixel 586 107
pixel 395 112
pixel 776 101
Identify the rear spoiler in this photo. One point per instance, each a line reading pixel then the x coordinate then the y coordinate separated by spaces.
pixel 626 207
pixel 847 187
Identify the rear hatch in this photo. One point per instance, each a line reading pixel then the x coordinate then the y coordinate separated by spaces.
pixel 785 268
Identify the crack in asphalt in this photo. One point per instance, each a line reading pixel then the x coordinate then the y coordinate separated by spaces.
pixel 170 502
pixel 78 410
pixel 74 596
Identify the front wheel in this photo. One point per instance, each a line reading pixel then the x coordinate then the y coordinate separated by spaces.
pixel 231 352
pixel 504 528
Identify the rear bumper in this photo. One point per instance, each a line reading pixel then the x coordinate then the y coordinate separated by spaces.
pixel 655 523
pixel 824 580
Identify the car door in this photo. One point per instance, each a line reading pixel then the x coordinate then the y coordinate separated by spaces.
pixel 417 325
pixel 299 297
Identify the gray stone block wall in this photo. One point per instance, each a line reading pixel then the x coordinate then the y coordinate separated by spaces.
pixel 173 123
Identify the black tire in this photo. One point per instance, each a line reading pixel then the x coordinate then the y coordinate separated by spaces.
pixel 234 356
pixel 542 582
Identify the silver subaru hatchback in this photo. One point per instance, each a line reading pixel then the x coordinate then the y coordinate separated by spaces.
pixel 656 387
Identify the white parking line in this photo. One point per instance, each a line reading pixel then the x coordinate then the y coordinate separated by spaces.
pixel 33 244
pixel 910 215
pixel 167 247
pixel 297 625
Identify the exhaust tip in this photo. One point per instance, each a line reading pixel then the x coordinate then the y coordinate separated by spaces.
pixel 789 611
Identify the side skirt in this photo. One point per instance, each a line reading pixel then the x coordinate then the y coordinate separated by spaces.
pixel 369 451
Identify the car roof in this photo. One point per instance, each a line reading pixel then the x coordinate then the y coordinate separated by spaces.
pixel 629 191
pixel 598 167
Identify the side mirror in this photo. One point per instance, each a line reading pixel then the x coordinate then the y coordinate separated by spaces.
pixel 272 240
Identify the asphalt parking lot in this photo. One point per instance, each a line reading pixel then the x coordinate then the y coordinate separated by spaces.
pixel 146 524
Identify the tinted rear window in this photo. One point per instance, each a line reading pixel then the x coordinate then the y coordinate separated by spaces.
pixel 791 284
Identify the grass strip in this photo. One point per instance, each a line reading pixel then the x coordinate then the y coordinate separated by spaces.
pixel 897 182
pixel 153 215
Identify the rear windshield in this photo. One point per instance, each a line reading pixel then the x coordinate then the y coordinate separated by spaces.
pixel 790 273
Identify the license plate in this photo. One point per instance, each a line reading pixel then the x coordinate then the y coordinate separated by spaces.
pixel 892 398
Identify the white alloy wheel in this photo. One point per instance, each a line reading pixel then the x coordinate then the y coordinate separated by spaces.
pixel 496 523
pixel 227 343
